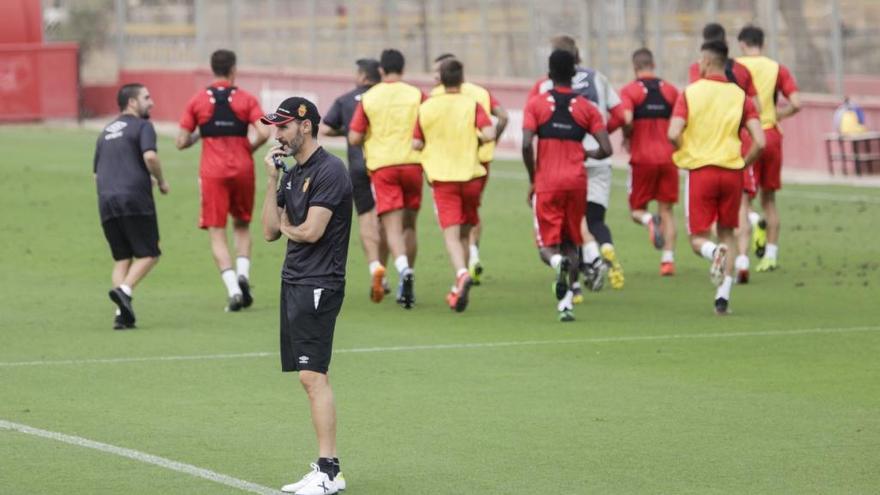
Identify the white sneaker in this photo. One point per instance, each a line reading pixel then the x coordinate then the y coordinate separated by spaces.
pixel 313 483
pixel 719 260
pixel 340 481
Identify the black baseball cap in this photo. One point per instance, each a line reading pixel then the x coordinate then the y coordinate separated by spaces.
pixel 295 107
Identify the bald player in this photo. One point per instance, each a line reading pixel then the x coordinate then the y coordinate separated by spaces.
pixel 647 107
pixel 705 129
pixel 771 79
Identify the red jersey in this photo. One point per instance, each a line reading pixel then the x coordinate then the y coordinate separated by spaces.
pixel 741 76
pixel 648 143
pixel 226 156
pixel 560 162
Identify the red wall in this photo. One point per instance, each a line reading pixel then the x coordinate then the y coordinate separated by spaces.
pixel 803 144
pixel 21 21
pixel 38 81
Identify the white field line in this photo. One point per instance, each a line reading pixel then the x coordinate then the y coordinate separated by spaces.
pixel 140 457
pixel 821 196
pixel 458 346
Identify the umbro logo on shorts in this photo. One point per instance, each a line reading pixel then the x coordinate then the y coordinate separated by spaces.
pixel 303 360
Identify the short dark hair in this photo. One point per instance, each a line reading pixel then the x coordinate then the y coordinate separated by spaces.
pixel 370 68
pixel 714 31
pixel 567 43
pixel 643 59
pixel 222 62
pixel 717 48
pixel 451 73
pixel 751 36
pixel 562 67
pixel 392 61
pixel 444 56
pixel 127 92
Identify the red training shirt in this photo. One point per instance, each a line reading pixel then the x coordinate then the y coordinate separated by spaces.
pixel 560 162
pixel 648 143
pixel 223 156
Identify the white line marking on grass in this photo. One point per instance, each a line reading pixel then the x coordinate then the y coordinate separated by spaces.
pixel 140 457
pixel 473 345
pixel 822 196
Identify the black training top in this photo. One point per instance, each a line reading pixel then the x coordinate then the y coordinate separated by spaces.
pixel 124 186
pixel 321 181
pixel 339 116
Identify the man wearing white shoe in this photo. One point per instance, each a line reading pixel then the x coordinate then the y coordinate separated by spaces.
pixel 311 207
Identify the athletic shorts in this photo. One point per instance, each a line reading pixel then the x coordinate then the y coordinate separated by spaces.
pixel 132 237
pixel 224 196
pixel 397 187
pixel 649 182
pixel 768 167
pixel 713 194
pixel 362 190
pixel 457 203
pixel 599 184
pixel 558 216
pixel 308 320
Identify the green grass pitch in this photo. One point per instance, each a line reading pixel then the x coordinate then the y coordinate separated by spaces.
pixel 648 392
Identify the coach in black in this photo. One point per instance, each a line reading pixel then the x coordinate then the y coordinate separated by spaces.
pixel 311 207
pixel 125 158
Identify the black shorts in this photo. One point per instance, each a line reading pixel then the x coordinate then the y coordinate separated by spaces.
pixel 362 189
pixel 308 319
pixel 132 237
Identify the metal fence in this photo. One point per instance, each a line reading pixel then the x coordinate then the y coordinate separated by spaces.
pixel 822 41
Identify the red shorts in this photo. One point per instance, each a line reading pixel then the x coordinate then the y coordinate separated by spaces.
pixel 224 196
pixel 713 194
pixel 767 169
pixel 558 216
pixel 484 179
pixel 652 182
pixel 457 203
pixel 397 187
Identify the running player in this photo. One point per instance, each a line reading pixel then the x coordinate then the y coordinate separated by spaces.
pixel 560 119
pixel 383 123
pixel 737 73
pixel 705 129
pixel 486 151
pixel 647 104
pixel 772 79
pixel 225 115
pixel 594 86
pixel 446 134
pixel 336 124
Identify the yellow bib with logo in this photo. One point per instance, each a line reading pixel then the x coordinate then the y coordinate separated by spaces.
pixel 450 153
pixel 481 95
pixel 765 73
pixel 391 109
pixel 711 135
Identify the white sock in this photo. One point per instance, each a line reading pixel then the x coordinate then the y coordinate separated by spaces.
pixel 754 218
pixel 575 285
pixel 231 282
pixel 708 250
pixel 243 267
pixel 118 312
pixel 374 265
pixel 401 263
pixel 460 272
pixel 772 251
pixel 742 262
pixel 723 290
pixel 646 219
pixel 474 254
pixel 591 251
pixel 555 261
pixel 126 289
